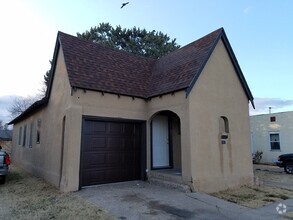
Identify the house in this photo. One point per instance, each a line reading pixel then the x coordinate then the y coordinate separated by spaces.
pixel 272 135
pixel 111 116
pixel 6 139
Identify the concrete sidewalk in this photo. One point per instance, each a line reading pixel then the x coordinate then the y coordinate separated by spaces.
pixel 141 200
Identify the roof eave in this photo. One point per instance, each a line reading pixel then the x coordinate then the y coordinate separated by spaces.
pixel 36 106
pixel 237 68
pixel 222 35
pixel 196 76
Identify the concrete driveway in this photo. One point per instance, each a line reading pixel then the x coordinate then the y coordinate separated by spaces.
pixel 141 200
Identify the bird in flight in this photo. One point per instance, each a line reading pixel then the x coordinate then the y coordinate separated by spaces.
pixel 124 4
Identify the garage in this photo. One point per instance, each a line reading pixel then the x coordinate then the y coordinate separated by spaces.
pixel 112 151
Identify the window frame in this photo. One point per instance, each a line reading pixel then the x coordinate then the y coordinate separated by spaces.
pixel 270 141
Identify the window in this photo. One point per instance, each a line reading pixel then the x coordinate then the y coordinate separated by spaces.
pixel 275 141
pixel 273 118
pixel 38 137
pixel 39 122
pixel 31 135
pixel 19 135
pixel 24 136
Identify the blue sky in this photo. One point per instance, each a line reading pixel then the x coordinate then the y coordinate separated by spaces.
pixel 260 33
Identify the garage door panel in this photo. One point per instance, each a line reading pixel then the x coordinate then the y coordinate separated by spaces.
pixel 114 143
pixel 115 127
pixel 111 152
pixel 94 160
pixel 92 143
pixel 93 128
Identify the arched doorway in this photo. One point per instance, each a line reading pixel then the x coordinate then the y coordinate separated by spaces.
pixel 166 141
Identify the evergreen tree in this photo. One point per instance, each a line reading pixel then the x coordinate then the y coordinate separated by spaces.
pixel 138 41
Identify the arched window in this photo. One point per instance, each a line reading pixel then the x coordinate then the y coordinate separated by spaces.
pixel 224 124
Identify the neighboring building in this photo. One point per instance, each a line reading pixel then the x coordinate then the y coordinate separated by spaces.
pixel 112 116
pixel 272 134
pixel 6 140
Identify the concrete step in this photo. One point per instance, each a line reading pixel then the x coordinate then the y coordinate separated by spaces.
pixel 168 180
pixel 165 176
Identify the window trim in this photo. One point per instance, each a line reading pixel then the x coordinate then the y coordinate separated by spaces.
pixel 270 142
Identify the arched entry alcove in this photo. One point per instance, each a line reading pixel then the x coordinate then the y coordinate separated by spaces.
pixel 165 141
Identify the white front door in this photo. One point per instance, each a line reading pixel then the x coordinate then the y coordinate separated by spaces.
pixel 160 142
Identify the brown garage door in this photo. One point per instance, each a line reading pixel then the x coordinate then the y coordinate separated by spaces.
pixel 111 151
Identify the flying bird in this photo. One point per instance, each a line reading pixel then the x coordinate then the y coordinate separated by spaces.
pixel 124 4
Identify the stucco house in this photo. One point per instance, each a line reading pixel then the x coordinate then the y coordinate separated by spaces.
pixel 111 116
pixel 272 135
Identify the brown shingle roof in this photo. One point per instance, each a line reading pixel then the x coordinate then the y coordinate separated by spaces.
pixel 176 70
pixel 96 67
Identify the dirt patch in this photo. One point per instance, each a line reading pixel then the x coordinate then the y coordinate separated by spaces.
pixel 27 197
pixel 272 188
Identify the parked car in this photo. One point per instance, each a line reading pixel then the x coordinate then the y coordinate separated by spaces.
pixel 286 161
pixel 4 163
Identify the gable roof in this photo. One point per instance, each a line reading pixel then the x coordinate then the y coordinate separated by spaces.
pixel 96 67
pixel 93 66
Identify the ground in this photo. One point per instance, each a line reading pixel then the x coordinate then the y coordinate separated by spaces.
pixel 273 184
pixel 26 197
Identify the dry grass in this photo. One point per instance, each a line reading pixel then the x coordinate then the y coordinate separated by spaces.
pixel 259 196
pixel 255 197
pixel 26 197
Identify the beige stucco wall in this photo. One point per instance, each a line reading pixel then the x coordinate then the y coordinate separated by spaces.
pixel 113 106
pixel 178 104
pixel 44 159
pixel 217 93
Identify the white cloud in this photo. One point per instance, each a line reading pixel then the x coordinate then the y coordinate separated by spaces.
pixel 263 105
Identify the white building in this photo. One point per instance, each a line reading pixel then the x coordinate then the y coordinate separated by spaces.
pixel 272 134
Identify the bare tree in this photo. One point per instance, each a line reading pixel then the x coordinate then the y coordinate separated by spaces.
pixel 20 104
pixel 3 126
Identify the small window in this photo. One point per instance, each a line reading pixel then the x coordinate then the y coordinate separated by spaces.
pixel 275 141
pixel 273 118
pixel 38 137
pixel 19 135
pixel 39 122
pixel 31 135
pixel 24 136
